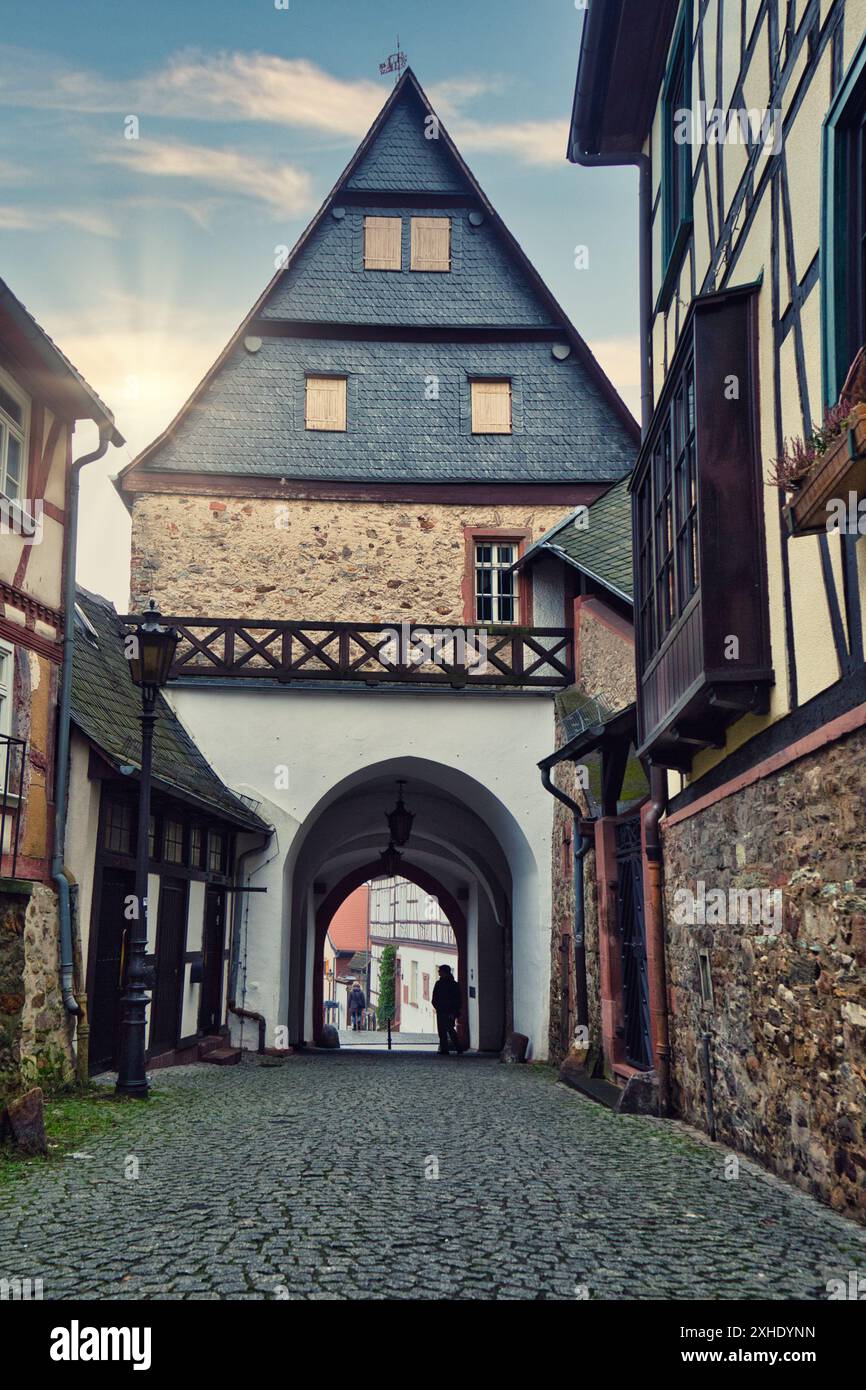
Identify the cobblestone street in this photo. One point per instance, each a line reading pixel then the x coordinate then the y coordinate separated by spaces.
pixel 316 1179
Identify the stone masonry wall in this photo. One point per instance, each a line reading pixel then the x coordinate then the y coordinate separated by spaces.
pixel 605 662
pixel 563 913
pixel 605 656
pixel 320 561
pixel 13 907
pixel 45 1029
pixel 788 1026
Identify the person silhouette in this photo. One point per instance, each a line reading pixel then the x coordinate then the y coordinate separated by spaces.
pixel 357 1004
pixel 447 1002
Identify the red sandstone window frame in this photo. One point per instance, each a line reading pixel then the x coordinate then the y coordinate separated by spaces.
pixel 520 537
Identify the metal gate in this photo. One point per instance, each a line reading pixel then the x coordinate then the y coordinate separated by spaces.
pixel 632 934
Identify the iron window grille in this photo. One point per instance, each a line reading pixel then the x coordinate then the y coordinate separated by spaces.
pixel 495 590
pixel 13 754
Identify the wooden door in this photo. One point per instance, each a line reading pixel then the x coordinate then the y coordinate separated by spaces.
pixel 213 949
pixel 112 933
pixel 168 975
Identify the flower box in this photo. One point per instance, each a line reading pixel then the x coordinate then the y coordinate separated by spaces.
pixel 840 472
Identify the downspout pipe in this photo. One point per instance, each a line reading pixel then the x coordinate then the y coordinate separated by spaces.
pixel 582 846
pixel 237 921
pixel 107 431
pixel 656 943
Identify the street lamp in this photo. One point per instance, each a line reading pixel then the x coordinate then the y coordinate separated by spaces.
pixel 400 819
pixel 149 648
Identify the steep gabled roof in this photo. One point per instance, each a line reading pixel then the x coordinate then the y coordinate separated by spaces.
pixel 348 929
pixel 49 366
pixel 106 708
pixel 602 549
pixel 352 181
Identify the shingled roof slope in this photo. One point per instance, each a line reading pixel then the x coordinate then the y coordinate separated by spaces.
pixel 602 550
pixel 106 707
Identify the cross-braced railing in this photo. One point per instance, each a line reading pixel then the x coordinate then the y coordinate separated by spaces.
pixel 372 653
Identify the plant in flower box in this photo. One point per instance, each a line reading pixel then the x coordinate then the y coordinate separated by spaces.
pixel 825 471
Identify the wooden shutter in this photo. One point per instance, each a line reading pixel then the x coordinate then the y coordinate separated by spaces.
pixel 326 403
pixel 431 243
pixel 491 407
pixel 383 243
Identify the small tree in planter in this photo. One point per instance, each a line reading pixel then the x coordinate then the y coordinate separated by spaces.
pixel 387 1005
pixel 824 468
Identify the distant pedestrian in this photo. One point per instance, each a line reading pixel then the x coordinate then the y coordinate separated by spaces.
pixel 448 1003
pixel 357 1005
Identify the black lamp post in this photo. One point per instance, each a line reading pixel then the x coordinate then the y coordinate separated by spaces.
pixel 149 647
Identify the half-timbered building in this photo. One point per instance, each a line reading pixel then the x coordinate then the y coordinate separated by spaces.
pixel 334 519
pixel 42 398
pixel 745 119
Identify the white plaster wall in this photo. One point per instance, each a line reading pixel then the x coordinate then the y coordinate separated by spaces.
pixel 323 737
pixel 82 825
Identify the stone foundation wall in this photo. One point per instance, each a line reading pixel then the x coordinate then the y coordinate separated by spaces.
pixel 563 913
pixel 788 1024
pixel 319 561
pixel 45 1028
pixel 34 1026
pixel 13 908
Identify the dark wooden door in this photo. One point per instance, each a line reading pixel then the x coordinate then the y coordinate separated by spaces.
pixel 117 886
pixel 632 929
pixel 213 949
pixel 168 975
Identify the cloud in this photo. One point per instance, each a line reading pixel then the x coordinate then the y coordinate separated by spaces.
pixel 223 86
pixel 262 87
pixel 533 142
pixel 283 187
pixel 16 218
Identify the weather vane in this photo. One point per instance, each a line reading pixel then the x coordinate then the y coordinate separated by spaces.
pixel 395 62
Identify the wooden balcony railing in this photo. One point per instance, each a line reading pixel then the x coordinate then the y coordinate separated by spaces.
pixel 372 653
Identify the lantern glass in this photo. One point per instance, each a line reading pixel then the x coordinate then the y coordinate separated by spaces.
pixel 154 651
pixel 400 820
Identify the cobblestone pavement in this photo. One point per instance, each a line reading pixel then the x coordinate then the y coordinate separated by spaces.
pixel 314 1179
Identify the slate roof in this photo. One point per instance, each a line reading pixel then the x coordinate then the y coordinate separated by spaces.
pixel 106 708
pixel 247 415
pixel 602 550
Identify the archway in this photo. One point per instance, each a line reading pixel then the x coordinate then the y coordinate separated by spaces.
pixel 468 846
pixel 338 894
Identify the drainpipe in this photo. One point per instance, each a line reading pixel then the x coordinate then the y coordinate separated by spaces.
pixel 658 975
pixel 61 779
pixel 582 845
pixel 234 955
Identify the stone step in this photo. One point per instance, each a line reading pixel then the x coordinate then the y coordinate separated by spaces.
pixel 222 1056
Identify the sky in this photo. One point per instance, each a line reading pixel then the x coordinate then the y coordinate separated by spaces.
pixel 141 256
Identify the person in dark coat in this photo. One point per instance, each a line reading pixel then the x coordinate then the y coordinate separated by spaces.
pixel 357 1005
pixel 447 1002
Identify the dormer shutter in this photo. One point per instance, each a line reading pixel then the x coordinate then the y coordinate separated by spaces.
pixel 431 243
pixel 326 403
pixel 383 243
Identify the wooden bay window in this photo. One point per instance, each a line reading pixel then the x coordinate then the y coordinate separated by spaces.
pixel 700 569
